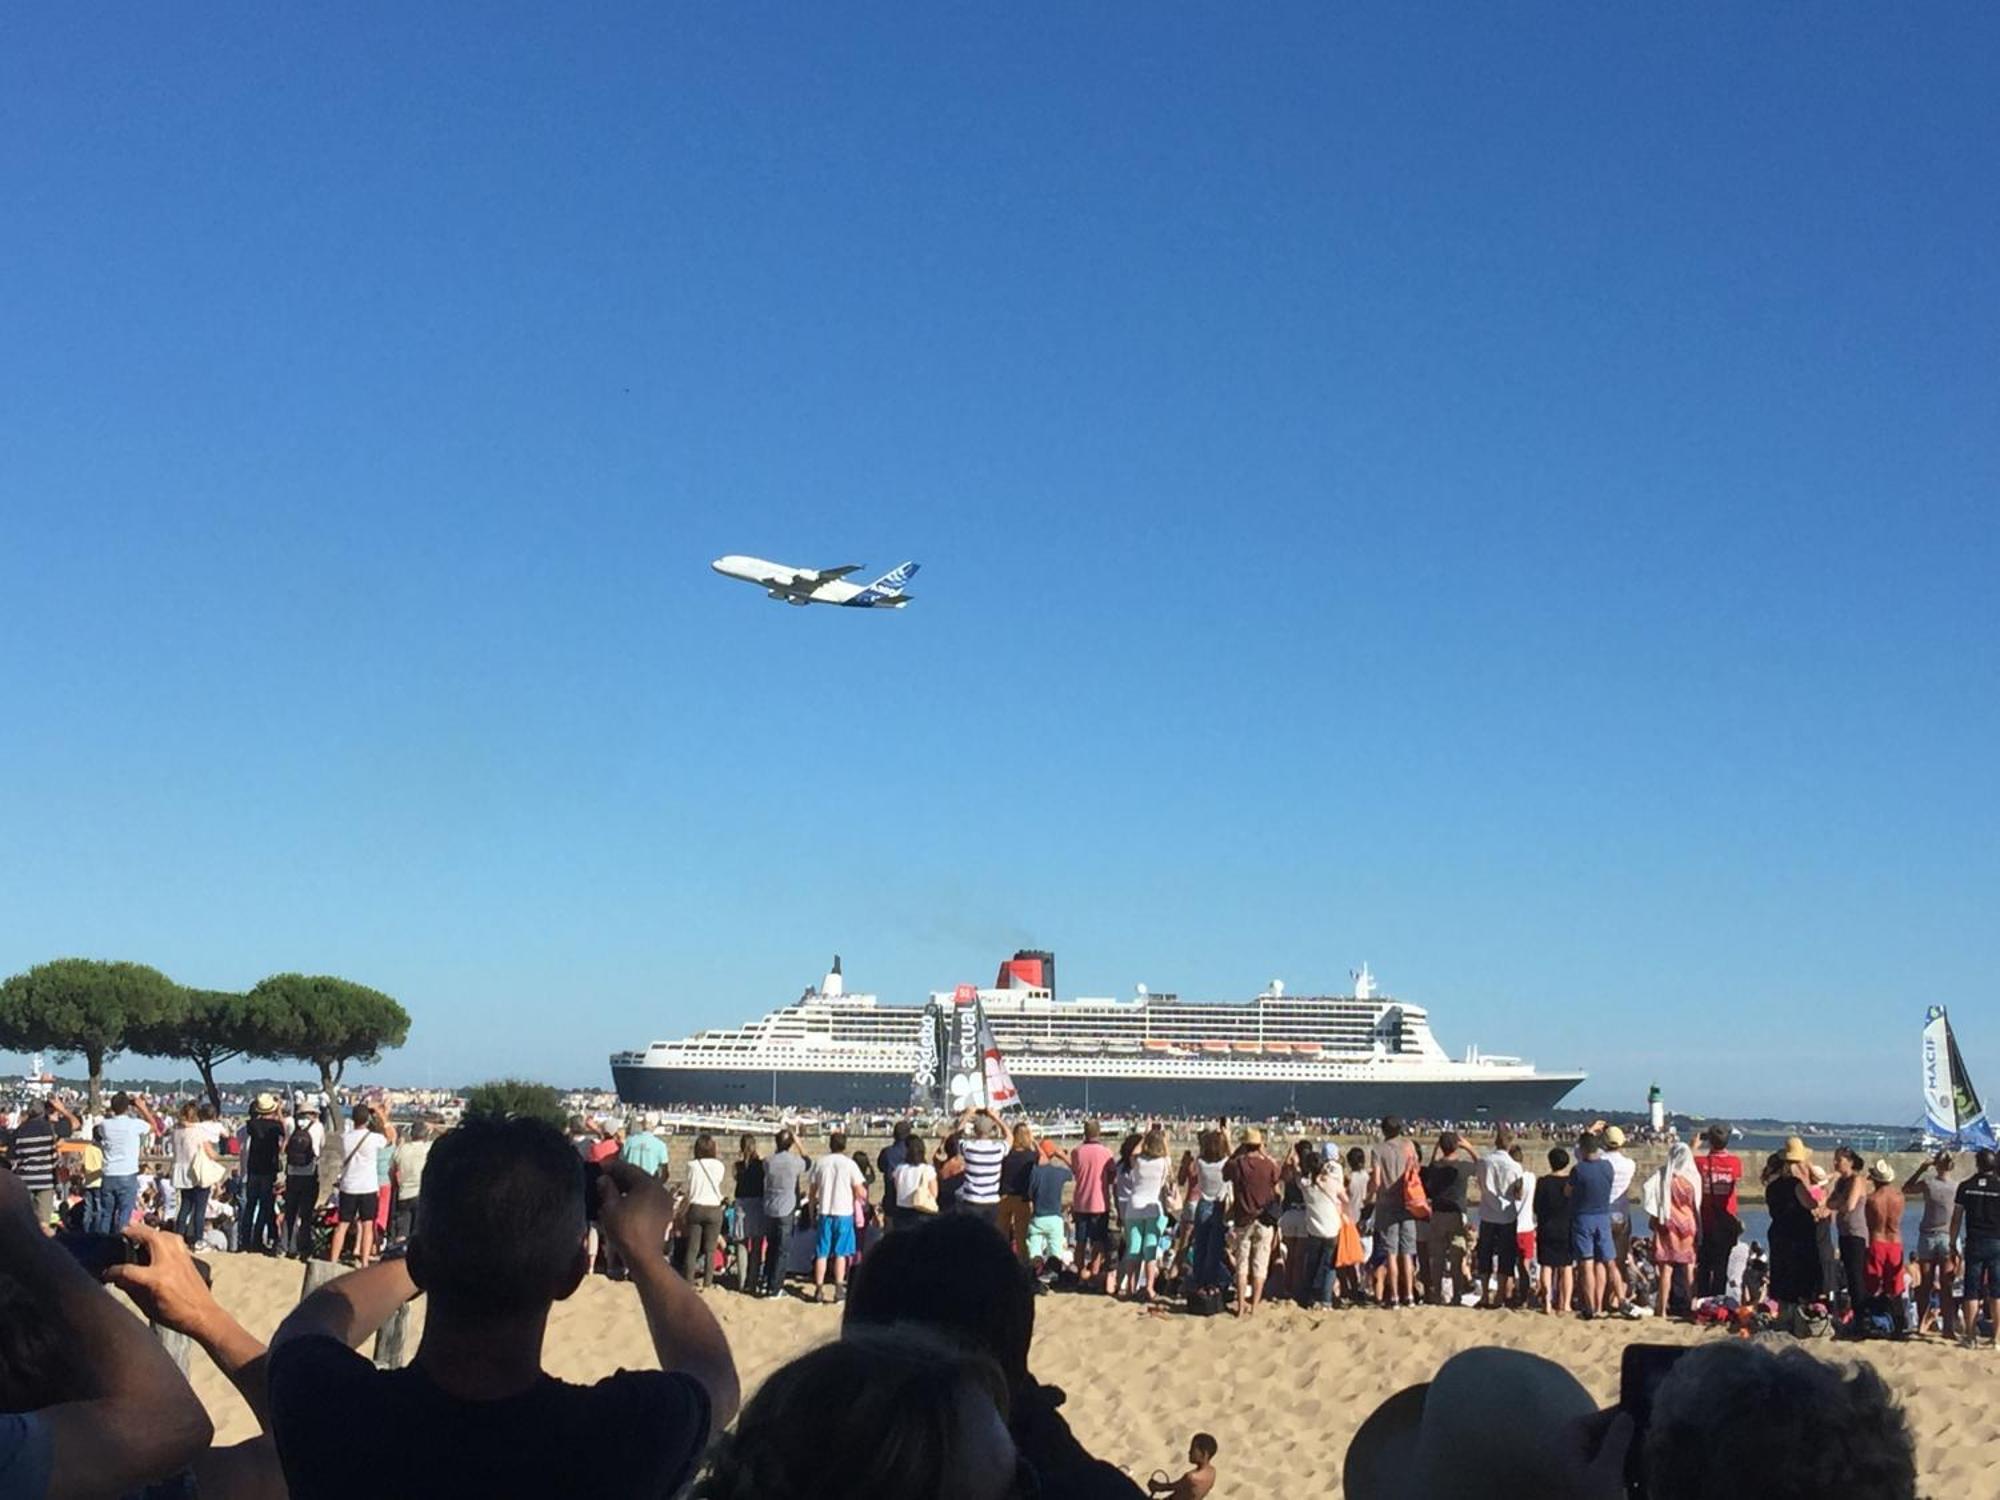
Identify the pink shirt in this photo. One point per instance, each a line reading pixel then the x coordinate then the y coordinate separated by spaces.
pixel 1092 1163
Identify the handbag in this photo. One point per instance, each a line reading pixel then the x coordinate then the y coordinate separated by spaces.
pixel 1415 1200
pixel 205 1171
pixel 923 1199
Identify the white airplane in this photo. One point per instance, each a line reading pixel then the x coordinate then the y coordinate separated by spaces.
pixel 820 585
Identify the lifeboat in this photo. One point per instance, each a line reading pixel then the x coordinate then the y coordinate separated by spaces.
pixel 1158 1049
pixel 1278 1049
pixel 1252 1048
pixel 1214 1047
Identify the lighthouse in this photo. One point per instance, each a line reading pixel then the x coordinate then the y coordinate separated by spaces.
pixel 1656 1109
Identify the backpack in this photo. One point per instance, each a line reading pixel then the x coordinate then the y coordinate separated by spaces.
pixel 1415 1199
pixel 300 1158
pixel 1205 1301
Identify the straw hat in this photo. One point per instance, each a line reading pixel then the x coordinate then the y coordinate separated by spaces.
pixel 1796 1149
pixel 1614 1137
pixel 264 1104
pixel 1253 1137
pixel 1881 1172
pixel 1511 1408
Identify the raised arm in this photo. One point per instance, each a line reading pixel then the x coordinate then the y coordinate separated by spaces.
pixel 634 1214
pixel 351 1308
pixel 139 1420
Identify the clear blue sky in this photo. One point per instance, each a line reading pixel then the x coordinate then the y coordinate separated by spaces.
pixel 1507 494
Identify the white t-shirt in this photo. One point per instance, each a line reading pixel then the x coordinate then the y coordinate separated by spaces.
pixel 1211 1185
pixel 1357 1194
pixel 1325 1201
pixel 358 1150
pixel 1526 1223
pixel 911 1176
pixel 1149 1180
pixel 1622 1170
pixel 705 1175
pixel 188 1141
pixel 1498 1173
pixel 835 1180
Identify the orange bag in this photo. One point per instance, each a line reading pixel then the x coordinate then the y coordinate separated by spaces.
pixel 1415 1199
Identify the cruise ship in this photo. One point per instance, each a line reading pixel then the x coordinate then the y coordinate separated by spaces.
pixel 1360 1055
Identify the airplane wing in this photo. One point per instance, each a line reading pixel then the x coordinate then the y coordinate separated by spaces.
pixel 807 578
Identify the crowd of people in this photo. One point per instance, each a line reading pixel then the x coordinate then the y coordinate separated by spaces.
pixel 1576 1229
pixel 251 1186
pixel 928 1391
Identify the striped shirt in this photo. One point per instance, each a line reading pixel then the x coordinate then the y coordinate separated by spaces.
pixel 33 1155
pixel 982 1171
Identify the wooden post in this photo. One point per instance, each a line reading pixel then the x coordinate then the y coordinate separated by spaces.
pixel 318 1274
pixel 390 1353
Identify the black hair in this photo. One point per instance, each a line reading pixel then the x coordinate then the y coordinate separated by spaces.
pixel 1558 1158
pixel 900 1395
pixel 500 1219
pixel 954 1274
pixel 1356 1156
pixel 837 1142
pixel 902 1131
pixel 1391 1127
pixel 1204 1442
pixel 913 1149
pixel 704 1145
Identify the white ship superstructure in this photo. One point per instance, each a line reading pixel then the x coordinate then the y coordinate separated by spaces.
pixel 1355 1054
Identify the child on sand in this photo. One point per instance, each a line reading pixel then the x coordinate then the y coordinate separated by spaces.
pixel 1199 1479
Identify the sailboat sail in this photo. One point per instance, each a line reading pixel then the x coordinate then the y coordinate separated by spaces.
pixel 1001 1095
pixel 927 1083
pixel 1952 1109
pixel 969 1071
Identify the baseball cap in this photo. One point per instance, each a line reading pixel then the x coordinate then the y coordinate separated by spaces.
pixel 1613 1137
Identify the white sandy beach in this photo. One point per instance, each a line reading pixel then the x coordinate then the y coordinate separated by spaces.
pixel 1283 1393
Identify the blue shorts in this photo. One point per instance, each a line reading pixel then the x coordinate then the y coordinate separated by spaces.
pixel 1982 1268
pixel 836 1236
pixel 1590 1238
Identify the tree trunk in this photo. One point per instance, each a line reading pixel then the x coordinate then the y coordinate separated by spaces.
pixel 206 1067
pixel 330 1157
pixel 94 1059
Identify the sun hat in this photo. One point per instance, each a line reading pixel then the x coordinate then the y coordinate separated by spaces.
pixel 1253 1137
pixel 1881 1172
pixel 1796 1149
pixel 1613 1137
pixel 264 1104
pixel 1509 1407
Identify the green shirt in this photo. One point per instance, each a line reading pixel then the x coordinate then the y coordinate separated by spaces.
pixel 645 1151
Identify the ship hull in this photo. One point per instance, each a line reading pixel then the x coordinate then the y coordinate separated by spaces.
pixel 1515 1098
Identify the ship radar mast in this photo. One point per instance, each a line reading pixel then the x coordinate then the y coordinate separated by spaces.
pixel 1364 983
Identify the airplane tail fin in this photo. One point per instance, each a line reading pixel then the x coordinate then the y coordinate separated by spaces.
pixel 896 577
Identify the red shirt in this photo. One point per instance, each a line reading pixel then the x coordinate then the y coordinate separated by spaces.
pixel 1720 1172
pixel 601 1151
pixel 1092 1163
pixel 1255 1178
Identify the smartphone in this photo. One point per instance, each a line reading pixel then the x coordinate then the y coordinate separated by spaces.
pixel 1640 1371
pixel 98 1253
